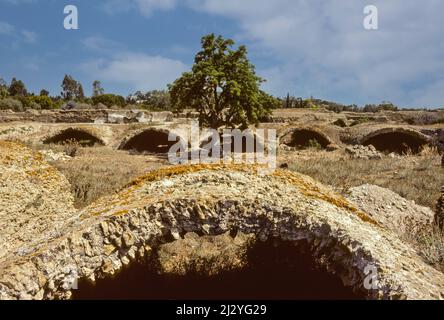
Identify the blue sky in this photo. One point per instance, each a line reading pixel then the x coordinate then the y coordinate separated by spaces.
pixel 305 47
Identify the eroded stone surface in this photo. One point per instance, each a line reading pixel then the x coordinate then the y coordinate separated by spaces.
pixel 390 209
pixel 35 199
pixel 214 199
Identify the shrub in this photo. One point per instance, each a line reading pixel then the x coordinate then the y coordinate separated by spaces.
pixel 45 102
pixel 359 121
pixel 427 118
pixel 314 144
pixel 13 104
pixel 71 147
pixel 440 121
pixel 370 108
pixel 34 105
pixel 429 243
pixel 109 100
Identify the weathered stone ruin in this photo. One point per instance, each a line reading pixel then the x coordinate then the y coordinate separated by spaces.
pixel 397 140
pixel 81 136
pixel 47 245
pixel 148 140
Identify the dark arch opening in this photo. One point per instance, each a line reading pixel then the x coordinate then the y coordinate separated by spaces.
pixel 305 138
pixel 275 270
pixel 208 143
pixel 149 141
pixel 84 138
pixel 397 142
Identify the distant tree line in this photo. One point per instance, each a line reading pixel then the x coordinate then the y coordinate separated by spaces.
pixel 312 103
pixel 15 96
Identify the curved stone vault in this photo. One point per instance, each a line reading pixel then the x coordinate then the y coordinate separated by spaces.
pixel 165 204
pixel 399 140
pixel 82 136
pixel 152 140
pixel 302 137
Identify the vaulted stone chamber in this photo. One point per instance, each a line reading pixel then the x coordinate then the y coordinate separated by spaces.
pixel 397 141
pixel 149 141
pixel 80 136
pixel 273 270
pixel 306 138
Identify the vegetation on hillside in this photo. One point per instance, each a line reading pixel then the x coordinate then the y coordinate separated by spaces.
pixel 222 86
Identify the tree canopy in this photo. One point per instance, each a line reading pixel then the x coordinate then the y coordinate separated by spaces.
pixel 109 100
pixel 3 88
pixel 71 89
pixel 17 88
pixel 222 86
pixel 97 88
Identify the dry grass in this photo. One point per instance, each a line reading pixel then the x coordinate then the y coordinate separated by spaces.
pixel 415 177
pixel 429 243
pixel 100 171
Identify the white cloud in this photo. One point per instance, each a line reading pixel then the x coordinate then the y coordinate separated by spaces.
pixel 323 49
pixel 19 36
pixel 6 28
pixel 100 44
pixel 142 72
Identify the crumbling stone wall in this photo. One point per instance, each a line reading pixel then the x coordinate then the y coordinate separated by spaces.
pixel 214 199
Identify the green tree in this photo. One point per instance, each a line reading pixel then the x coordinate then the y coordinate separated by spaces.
pixel 17 88
pixel 11 104
pixel 44 101
pixel 97 88
pixel 222 86
pixel 80 95
pixel 387 106
pixel 3 89
pixel 71 89
pixel 109 100
pixel 157 100
pixel 268 102
pixel 288 101
pixel 44 92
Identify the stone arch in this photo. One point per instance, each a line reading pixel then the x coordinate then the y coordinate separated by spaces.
pixel 285 270
pixel 151 140
pixel 397 140
pixel 82 136
pixel 249 140
pixel 302 138
pixel 115 230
